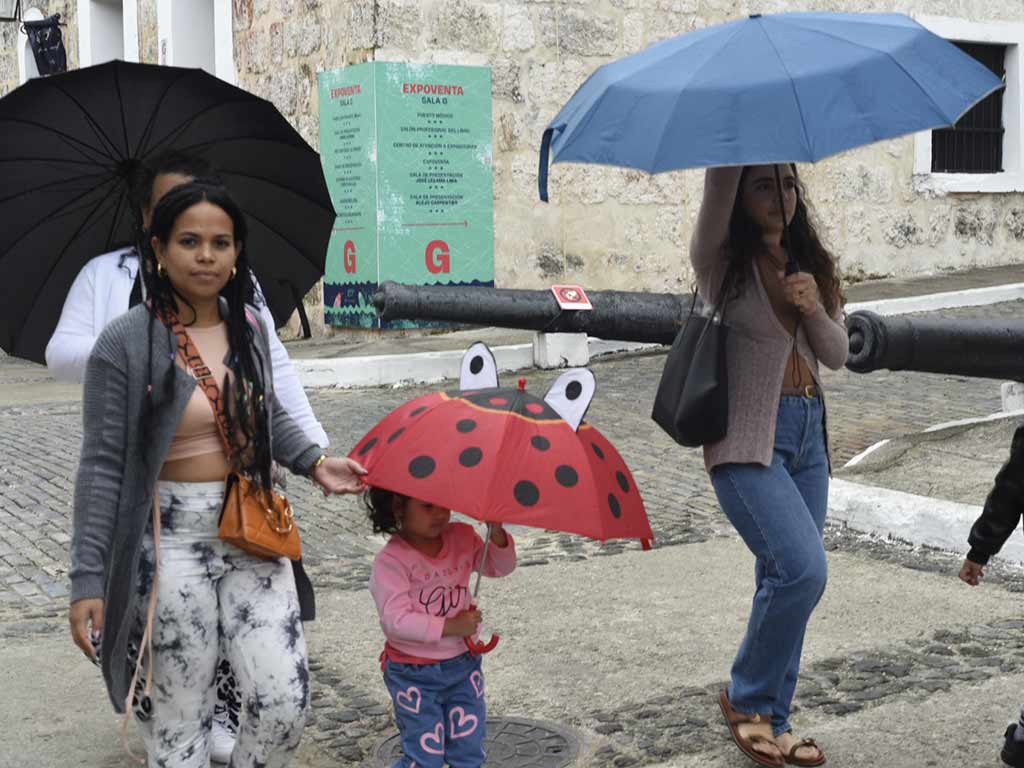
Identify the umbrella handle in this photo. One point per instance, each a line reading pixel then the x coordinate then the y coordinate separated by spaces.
pixel 478 649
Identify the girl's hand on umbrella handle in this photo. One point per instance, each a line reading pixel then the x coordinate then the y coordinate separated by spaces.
pixel 339 475
pixel 800 290
pixel 498 536
pixel 463 624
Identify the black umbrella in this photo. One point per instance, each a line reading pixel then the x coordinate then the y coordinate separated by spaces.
pixel 70 146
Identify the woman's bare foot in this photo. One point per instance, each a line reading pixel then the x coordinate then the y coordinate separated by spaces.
pixel 766 747
pixel 808 753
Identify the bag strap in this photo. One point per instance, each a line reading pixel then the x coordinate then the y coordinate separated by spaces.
pixel 204 378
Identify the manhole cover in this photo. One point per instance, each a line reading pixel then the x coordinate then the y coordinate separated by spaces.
pixel 512 742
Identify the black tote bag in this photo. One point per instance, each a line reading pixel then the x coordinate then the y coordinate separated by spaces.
pixel 692 402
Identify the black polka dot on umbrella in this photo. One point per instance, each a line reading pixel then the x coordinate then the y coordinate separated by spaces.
pixel 566 475
pixel 540 443
pixel 476 365
pixel 623 481
pixel 422 466
pixel 471 457
pixel 368 447
pixel 574 390
pixel 598 451
pixel 396 434
pixel 526 493
pixel 613 504
pixel 465 426
pixel 418 411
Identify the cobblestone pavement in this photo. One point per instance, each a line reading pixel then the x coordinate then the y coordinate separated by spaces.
pixel 39 452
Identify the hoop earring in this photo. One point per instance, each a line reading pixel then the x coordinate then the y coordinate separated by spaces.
pixel 234 272
pixel 160 271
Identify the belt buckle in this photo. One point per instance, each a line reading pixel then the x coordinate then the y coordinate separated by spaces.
pixel 809 391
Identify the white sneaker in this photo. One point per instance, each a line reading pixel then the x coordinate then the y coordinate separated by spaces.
pixel 222 743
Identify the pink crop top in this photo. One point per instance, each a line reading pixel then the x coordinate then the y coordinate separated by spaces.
pixel 197 431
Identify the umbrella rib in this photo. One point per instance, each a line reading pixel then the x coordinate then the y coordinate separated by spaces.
pixel 117 215
pixel 277 232
pixel 895 61
pixel 68 139
pixel 174 133
pixel 120 101
pixel 317 203
pixel 156 110
pixel 46 160
pixel 700 69
pixel 60 210
pixel 792 87
pixel 51 184
pixel 99 132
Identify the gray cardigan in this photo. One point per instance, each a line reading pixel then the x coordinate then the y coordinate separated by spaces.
pixel 118 470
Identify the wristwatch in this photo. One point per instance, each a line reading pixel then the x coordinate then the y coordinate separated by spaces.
pixel 317 463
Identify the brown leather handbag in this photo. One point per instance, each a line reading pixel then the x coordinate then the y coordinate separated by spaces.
pixel 255 519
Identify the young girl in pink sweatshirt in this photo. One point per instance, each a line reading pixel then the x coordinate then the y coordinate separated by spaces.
pixel 420 583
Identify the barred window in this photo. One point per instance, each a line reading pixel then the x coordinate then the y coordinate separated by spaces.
pixel 975 143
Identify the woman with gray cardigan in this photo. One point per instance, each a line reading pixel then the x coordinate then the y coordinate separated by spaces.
pixel 771 470
pixel 147 564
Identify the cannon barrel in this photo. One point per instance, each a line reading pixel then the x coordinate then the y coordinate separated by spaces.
pixel 620 315
pixel 979 348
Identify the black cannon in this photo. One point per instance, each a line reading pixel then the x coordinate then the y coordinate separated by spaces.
pixel 979 348
pixel 621 315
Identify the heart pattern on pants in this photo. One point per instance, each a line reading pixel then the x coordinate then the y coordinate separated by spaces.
pixel 433 742
pixel 477 681
pixel 410 699
pixel 461 724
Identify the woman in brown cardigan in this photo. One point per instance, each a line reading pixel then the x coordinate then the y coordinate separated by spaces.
pixel 771 471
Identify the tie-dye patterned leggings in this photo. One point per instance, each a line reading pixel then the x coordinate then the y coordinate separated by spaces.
pixel 212 594
pixel 441 712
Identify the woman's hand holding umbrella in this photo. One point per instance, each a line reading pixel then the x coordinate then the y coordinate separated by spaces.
pixel 800 290
pixel 339 475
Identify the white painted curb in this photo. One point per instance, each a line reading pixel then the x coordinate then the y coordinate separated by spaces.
pixel 971 297
pixel 918 519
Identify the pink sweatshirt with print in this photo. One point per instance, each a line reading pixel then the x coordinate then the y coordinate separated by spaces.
pixel 415 593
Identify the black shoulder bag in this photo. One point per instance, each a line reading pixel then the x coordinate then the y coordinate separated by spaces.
pixel 692 402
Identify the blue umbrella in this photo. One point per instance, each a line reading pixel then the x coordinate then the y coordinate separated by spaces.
pixel 791 87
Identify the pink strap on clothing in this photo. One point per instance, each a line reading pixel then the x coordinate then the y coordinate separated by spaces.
pixel 146 646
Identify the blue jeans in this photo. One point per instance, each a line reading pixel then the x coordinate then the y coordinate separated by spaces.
pixel 441 712
pixel 779 511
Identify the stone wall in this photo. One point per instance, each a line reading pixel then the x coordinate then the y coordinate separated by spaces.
pixel 9 39
pixel 614 228
pixel 606 228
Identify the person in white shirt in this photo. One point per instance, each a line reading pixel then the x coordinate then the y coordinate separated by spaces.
pixel 106 288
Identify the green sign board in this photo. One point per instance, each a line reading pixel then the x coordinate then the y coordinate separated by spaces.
pixel 407 153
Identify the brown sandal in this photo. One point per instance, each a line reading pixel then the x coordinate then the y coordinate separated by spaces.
pixel 746 743
pixel 810 762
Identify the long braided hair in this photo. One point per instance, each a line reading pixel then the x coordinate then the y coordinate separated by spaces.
pixel 243 397
pixel 745 241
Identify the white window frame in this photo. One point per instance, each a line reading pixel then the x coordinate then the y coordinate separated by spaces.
pixel 1011 179
pixel 223 38
pixel 130 31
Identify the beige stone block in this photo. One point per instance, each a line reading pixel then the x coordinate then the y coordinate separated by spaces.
pixel 517 29
pixel 972 221
pixel 304 38
pixel 506 79
pixel 583 32
pixel 399 23
pixel 464 25
pixel 633 35
pixel 276 51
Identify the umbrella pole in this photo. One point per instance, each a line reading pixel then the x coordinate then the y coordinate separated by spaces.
pixel 792 267
pixel 483 561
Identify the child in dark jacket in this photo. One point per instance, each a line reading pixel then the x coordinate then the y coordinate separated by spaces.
pixel 1000 517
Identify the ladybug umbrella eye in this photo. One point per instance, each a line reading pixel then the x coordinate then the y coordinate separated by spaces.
pixel 571 394
pixel 479 369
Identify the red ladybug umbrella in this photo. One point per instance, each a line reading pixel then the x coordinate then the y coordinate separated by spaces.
pixel 506 456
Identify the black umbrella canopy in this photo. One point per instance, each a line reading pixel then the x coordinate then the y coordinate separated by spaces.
pixel 70 146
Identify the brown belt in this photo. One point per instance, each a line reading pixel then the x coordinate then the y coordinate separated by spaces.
pixel 809 391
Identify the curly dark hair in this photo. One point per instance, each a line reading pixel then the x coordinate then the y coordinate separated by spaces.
pixel 744 242
pixel 243 397
pixel 380 509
